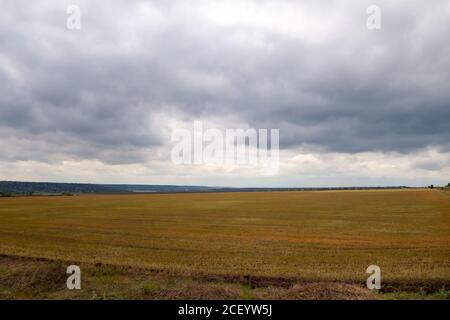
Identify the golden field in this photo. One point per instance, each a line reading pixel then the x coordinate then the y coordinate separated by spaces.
pixel 307 236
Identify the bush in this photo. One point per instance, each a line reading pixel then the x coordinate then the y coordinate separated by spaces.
pixel 67 193
pixel 5 194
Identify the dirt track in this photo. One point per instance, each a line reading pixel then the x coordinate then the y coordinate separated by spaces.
pixel 35 278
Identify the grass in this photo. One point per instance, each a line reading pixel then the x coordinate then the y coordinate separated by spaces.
pixel 317 237
pixel 442 294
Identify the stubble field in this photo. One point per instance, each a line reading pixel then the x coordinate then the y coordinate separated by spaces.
pixel 230 245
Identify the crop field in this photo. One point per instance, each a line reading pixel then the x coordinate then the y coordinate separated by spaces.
pixel 227 245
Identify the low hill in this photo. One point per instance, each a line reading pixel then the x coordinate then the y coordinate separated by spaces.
pixel 16 187
pixel 49 188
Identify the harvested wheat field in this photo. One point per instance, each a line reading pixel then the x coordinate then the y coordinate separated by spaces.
pixel 267 245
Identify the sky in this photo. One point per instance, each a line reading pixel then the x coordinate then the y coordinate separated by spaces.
pixel 354 105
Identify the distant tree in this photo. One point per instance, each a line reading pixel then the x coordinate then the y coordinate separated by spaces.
pixel 432 186
pixel 5 194
pixel 448 185
pixel 65 193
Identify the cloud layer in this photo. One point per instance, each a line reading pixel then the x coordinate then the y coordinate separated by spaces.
pixel 110 92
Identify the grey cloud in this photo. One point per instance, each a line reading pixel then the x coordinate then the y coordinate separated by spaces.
pixel 431 166
pixel 96 93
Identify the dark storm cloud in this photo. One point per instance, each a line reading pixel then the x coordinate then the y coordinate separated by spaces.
pixel 97 92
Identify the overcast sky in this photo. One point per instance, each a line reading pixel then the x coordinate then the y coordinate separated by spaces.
pixel 354 106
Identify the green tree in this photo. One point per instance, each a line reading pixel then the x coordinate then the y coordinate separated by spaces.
pixel 5 194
